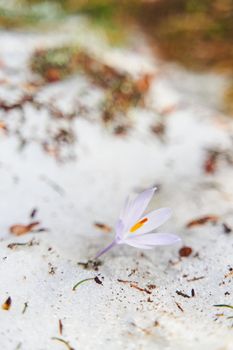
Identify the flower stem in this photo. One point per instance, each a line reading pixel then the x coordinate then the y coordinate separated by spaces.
pixel 101 252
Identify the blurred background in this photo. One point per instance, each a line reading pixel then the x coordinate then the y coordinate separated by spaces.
pixel 195 34
pixel 188 42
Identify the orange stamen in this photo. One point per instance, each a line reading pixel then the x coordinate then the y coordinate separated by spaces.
pixel 138 225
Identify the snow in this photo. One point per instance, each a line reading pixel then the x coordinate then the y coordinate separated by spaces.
pixel 89 185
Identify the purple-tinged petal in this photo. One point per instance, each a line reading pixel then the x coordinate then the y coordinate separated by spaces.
pixel 150 221
pixel 152 239
pixel 119 229
pixel 125 209
pixel 136 207
pixel 137 245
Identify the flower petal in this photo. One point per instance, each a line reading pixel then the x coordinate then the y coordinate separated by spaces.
pixel 134 209
pixel 119 229
pixel 152 239
pixel 134 244
pixel 150 221
pixel 125 208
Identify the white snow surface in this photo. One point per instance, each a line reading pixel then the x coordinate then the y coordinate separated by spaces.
pixel 91 187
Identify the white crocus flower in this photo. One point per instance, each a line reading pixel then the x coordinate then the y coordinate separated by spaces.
pixel 134 228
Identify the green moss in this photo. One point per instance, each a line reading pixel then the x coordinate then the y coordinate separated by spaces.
pixel 18 16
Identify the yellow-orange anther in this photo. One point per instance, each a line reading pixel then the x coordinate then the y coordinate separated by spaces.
pixel 138 225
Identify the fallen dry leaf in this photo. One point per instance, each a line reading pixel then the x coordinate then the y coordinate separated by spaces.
pixel 135 286
pixel 7 304
pixel 143 84
pixel 19 229
pixel 60 326
pixel 229 274
pixel 3 125
pixel 226 228
pixel 53 75
pixel 103 227
pixel 203 220
pixel 210 164
pixel 185 251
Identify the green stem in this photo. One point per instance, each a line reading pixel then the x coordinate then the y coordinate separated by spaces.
pixel 224 305
pixel 64 342
pixel 82 281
